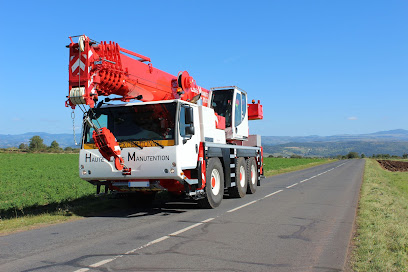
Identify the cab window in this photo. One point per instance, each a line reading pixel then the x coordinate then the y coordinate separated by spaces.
pixel 238 109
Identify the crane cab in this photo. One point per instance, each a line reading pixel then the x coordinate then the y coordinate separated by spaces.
pixel 231 103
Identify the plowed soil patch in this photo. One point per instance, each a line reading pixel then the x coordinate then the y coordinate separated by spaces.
pixel 394 166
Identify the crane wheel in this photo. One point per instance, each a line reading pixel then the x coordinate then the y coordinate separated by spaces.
pixel 252 175
pixel 214 187
pixel 239 191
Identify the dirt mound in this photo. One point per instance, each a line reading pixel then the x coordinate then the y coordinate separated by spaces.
pixel 394 166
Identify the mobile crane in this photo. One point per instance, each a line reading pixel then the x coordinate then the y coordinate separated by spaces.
pixel 178 137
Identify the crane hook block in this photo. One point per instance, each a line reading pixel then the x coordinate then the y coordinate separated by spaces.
pixel 108 146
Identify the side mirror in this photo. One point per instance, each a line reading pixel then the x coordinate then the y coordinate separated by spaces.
pixel 189 131
pixel 189 118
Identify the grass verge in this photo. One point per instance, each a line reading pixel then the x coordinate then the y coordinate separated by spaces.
pixel 276 166
pixel 381 240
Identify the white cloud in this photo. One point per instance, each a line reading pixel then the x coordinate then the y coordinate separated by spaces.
pixel 352 118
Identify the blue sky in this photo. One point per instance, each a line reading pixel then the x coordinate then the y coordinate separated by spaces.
pixel 318 67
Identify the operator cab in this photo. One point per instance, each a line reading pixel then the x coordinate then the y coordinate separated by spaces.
pixel 231 103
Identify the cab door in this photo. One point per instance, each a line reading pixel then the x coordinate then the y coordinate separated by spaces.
pixel 231 103
pixel 189 133
pixel 240 115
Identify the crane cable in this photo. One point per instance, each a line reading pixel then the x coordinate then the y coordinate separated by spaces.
pixel 73 126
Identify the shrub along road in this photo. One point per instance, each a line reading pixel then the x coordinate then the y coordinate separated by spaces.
pixel 299 221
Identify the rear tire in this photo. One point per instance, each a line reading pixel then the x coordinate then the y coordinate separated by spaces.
pixel 240 189
pixel 214 186
pixel 252 175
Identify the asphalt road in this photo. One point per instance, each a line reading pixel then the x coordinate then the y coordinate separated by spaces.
pixel 299 221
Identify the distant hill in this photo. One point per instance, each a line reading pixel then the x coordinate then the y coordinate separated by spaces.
pixel 332 149
pixel 64 140
pixel 397 135
pixel 393 142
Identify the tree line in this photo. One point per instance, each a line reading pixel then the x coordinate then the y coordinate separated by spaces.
pixel 36 144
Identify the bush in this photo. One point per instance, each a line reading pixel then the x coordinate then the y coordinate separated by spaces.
pixel 36 144
pixel 352 155
pixel 23 146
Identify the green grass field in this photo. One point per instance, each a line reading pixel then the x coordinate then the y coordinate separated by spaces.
pixel 45 188
pixel 274 166
pixel 29 180
pixel 41 188
pixel 381 241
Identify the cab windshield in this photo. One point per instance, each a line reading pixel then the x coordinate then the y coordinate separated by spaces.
pixel 135 123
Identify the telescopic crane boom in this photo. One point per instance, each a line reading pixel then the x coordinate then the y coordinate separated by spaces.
pixel 104 69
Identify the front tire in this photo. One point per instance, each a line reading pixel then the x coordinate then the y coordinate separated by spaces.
pixel 240 189
pixel 214 186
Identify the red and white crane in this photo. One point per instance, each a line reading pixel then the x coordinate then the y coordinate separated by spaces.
pixel 177 138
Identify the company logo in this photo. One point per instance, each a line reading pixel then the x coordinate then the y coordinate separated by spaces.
pixel 90 158
pixel 133 157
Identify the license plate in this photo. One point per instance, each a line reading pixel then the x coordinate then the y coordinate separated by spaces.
pixel 138 184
